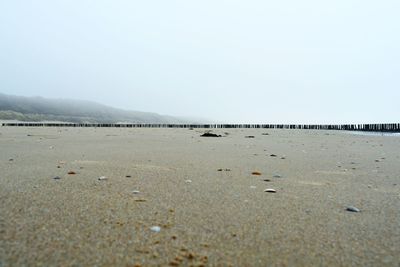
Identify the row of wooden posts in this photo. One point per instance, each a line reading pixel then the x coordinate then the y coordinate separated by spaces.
pixel 376 127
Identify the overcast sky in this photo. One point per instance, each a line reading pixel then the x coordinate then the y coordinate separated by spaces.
pixel 285 61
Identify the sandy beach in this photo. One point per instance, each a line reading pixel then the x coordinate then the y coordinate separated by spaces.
pixel 205 194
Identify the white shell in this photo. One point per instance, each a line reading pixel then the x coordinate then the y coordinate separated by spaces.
pixel 155 229
pixel 102 178
pixel 135 192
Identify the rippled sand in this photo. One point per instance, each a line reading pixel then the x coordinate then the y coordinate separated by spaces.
pixel 201 192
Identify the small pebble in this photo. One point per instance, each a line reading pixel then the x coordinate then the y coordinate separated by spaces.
pixel 270 190
pixel 128 176
pixel 267 180
pixel 277 176
pixel 249 136
pixel 101 178
pixel 11 160
pixel 256 173
pixel 135 191
pixel 352 209
pixel 273 155
pixel 155 229
pixel 188 181
pixel 56 177
pixel 71 172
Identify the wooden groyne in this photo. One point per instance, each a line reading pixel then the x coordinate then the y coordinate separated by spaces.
pixel 376 127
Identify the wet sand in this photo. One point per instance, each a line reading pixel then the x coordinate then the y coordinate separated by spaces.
pixel 201 192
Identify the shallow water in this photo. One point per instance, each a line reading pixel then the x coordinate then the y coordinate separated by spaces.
pixel 372 133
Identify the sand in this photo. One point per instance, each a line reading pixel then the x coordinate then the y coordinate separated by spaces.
pixel 207 216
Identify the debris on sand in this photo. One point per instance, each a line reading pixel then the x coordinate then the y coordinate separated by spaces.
pixel 256 173
pixel 155 229
pixel 56 177
pixel 71 172
pixel 210 135
pixel 272 155
pixel 188 181
pixel 352 209
pixel 277 176
pixel 270 190
pixel 227 170
pixel 249 136
pixel 11 160
pixel 128 176
pixel 102 178
pixel 135 192
pixel 267 180
pixel 265 134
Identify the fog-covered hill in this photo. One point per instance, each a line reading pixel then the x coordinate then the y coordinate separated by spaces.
pixel 43 109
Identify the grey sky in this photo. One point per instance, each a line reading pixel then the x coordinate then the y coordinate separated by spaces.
pixel 288 61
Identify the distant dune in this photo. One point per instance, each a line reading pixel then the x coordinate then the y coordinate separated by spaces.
pixel 42 109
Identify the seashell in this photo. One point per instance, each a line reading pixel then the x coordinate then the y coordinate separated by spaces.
pixel 270 190
pixel 155 229
pixel 352 209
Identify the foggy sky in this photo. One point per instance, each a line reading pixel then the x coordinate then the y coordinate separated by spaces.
pixel 288 61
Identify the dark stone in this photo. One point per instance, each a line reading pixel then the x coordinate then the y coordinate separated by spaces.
pixel 56 177
pixel 273 155
pixel 210 135
pixel 249 136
